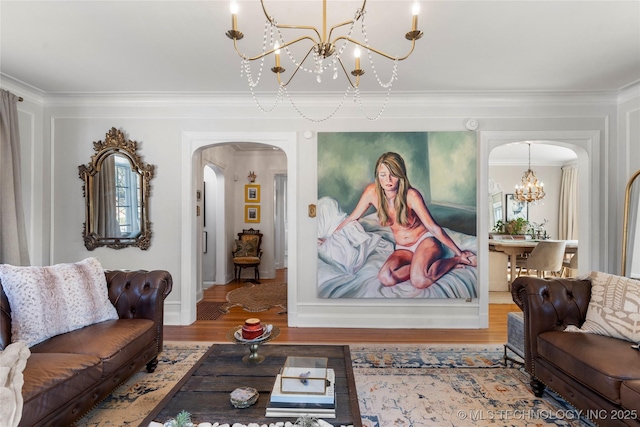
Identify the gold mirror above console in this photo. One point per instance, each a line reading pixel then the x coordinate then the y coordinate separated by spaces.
pixel 116 190
pixel 631 228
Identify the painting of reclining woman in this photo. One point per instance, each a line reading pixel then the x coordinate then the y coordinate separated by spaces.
pixel 384 235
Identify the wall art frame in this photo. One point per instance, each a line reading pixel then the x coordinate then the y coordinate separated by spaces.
pixel 514 208
pixel 252 193
pixel 442 170
pixel 251 213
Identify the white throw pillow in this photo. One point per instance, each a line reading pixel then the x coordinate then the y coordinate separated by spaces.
pixel 48 301
pixel 614 308
pixel 13 360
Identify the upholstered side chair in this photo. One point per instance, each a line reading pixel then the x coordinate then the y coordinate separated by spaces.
pixel 246 252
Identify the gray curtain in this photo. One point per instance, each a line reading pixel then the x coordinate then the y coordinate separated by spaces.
pixel 13 235
pixel 105 212
pixel 568 212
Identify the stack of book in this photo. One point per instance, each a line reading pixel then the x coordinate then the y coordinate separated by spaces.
pixel 296 405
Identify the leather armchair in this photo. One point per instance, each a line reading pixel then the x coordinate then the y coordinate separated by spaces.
pixel 597 374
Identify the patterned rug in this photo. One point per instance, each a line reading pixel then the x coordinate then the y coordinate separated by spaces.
pixel 398 385
pixel 208 310
pixel 130 403
pixel 444 385
pixel 257 297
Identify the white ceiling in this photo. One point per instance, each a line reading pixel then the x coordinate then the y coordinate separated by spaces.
pixel 179 46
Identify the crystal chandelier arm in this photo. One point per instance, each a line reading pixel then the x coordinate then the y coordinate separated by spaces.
pixel 263 54
pixel 283 26
pixel 346 73
pixel 300 27
pixel 295 71
pixel 349 39
pixel 359 14
pixel 345 23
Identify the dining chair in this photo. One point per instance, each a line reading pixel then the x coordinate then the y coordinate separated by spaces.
pixel 548 255
pixel 569 264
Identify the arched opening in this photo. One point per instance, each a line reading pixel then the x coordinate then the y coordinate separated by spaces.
pixel 192 233
pixel 585 144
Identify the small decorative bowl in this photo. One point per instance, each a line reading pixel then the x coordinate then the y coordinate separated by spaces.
pixel 244 397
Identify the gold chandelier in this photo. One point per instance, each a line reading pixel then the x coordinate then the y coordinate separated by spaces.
pixel 325 51
pixel 531 190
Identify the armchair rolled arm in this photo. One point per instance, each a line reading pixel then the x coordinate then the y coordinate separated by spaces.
pixel 139 294
pixel 549 305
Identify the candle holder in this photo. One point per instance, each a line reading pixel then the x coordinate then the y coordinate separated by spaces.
pixel 253 357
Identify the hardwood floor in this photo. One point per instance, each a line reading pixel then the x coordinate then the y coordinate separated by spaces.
pixel 216 330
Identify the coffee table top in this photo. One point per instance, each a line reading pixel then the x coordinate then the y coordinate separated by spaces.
pixel 204 391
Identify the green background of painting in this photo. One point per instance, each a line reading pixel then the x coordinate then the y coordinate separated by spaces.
pixel 441 165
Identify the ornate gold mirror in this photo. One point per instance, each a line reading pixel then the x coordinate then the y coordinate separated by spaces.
pixel 116 189
pixel 631 228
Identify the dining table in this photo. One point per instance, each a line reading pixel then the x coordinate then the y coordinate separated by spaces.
pixel 516 247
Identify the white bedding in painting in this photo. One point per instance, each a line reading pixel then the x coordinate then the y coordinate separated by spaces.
pixel 349 260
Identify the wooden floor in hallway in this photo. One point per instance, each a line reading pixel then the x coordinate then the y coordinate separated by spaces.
pixel 216 330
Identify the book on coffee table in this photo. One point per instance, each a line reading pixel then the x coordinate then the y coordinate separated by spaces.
pixel 278 414
pixel 328 397
pixel 298 405
pixel 318 410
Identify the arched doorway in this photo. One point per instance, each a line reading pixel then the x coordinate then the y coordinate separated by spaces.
pixel 191 244
pixel 586 144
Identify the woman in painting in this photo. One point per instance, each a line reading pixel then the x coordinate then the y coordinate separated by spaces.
pixel 418 238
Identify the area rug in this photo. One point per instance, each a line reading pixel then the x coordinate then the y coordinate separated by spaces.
pixel 208 310
pixel 130 403
pixel 443 385
pixel 257 297
pixel 397 385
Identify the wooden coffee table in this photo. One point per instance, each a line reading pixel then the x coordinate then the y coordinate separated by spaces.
pixel 204 391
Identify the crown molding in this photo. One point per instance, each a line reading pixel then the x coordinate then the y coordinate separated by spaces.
pixel 20 88
pixel 629 92
pixel 321 100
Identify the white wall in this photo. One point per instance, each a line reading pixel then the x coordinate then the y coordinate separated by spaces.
pixel 70 125
pixel 265 165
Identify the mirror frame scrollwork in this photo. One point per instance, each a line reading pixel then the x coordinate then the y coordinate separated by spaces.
pixel 634 180
pixel 115 143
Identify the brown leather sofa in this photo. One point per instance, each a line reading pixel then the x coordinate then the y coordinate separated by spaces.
pixel 598 375
pixel 69 374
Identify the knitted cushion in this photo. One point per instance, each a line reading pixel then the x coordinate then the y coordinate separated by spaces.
pixel 48 301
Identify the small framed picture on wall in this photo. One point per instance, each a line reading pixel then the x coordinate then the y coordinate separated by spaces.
pixel 252 193
pixel 252 213
pixel 515 208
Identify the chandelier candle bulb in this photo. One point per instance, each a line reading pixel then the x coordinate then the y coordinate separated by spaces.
pixel 415 10
pixel 356 53
pixel 276 47
pixel 234 15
